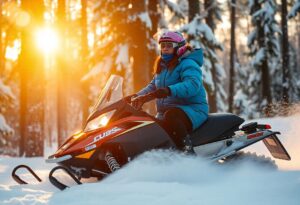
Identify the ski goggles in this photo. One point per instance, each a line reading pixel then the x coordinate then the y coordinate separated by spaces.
pixel 168 45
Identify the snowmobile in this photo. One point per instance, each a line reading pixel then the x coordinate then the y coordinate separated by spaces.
pixel 115 133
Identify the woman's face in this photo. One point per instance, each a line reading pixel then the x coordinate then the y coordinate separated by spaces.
pixel 167 47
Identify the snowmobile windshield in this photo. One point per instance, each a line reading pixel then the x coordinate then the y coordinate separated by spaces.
pixel 111 93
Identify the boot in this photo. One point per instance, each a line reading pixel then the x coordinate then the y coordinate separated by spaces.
pixel 188 146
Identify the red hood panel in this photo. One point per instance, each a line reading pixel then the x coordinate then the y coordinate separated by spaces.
pixel 92 140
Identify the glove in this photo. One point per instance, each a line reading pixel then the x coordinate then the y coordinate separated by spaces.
pixel 162 92
pixel 129 97
pixel 138 102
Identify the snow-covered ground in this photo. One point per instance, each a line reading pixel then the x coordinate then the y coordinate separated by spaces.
pixel 162 177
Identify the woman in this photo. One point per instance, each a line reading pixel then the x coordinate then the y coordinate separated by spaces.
pixel 177 84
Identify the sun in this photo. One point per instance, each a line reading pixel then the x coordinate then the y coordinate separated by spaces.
pixel 47 40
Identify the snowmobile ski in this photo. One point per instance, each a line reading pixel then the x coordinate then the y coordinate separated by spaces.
pixel 57 183
pixel 18 179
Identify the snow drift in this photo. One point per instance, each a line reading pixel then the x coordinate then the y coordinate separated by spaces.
pixel 164 177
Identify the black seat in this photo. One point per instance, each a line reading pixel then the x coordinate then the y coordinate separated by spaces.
pixel 217 127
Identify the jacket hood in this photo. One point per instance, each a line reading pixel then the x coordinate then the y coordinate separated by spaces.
pixel 196 55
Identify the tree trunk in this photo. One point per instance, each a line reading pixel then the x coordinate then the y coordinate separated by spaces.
pixel 1 42
pixel 298 33
pixel 84 54
pixel 232 55
pixel 212 99
pixel 209 18
pixel 194 9
pixel 139 50
pixel 32 81
pixel 23 101
pixel 154 16
pixel 266 91
pixel 61 75
pixel 264 67
pixel 285 53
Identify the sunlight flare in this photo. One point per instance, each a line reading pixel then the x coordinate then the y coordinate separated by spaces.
pixel 12 52
pixel 47 40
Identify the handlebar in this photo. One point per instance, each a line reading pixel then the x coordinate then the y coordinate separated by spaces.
pixel 141 99
pixel 146 98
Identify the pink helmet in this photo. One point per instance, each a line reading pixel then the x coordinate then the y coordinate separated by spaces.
pixel 176 37
pixel 170 36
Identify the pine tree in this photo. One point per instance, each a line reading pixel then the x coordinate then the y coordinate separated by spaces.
pixel 241 83
pixel 285 53
pixel 202 36
pixel 155 16
pixel 232 55
pixel 61 75
pixel 139 44
pixel 124 43
pixel 8 103
pixel 1 44
pixel 219 97
pixel 6 131
pixel 295 9
pixel 127 46
pixel 264 49
pixel 177 11
pixel 294 91
pixel 31 85
pixel 242 104
pixel 85 102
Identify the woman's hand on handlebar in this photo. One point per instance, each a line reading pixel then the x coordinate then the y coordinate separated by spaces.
pixel 138 102
pixel 128 99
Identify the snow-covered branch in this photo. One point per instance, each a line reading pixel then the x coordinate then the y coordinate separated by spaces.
pixel 5 92
pixel 295 9
pixel 175 8
pixel 4 127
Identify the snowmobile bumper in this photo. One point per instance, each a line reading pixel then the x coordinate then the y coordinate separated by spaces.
pixel 52 159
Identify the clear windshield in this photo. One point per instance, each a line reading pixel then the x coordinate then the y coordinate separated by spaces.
pixel 111 93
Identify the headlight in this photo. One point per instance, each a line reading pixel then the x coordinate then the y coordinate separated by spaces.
pixel 99 122
pixel 78 135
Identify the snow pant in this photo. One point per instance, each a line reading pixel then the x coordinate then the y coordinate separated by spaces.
pixel 177 124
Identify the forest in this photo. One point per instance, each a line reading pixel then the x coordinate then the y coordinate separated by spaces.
pixel 56 56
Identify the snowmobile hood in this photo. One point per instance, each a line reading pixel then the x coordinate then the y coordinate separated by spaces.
pixel 196 55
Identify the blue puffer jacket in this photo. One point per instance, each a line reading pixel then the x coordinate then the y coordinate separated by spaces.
pixel 187 90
